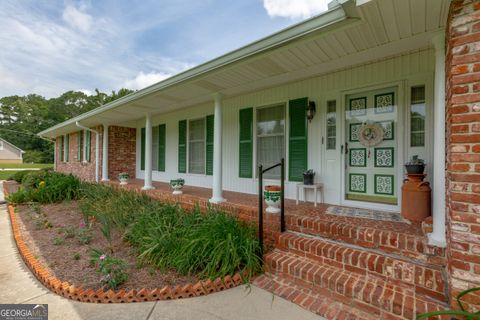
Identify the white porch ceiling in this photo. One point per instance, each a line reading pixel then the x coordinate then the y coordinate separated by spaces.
pixel 369 31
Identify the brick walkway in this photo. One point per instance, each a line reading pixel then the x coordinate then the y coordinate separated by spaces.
pixel 338 267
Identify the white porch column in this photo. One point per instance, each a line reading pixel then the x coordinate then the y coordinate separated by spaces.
pixel 437 237
pixel 105 154
pixel 148 153
pixel 217 187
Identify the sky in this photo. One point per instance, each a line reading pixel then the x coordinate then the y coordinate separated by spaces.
pixel 50 47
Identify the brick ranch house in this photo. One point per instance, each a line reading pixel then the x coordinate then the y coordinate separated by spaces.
pixel 409 66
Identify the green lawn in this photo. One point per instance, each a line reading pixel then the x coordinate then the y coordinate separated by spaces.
pixel 26 165
pixel 4 175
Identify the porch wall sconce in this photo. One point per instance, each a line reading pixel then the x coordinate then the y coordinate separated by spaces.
pixel 311 110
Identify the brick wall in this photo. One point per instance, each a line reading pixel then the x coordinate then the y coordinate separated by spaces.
pixel 121 151
pixel 463 147
pixel 83 170
pixel 121 154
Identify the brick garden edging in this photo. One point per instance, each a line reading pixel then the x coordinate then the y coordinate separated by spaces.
pixel 67 290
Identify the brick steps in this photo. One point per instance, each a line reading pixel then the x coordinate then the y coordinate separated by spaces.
pixel 367 293
pixel 316 302
pixel 398 239
pixel 424 278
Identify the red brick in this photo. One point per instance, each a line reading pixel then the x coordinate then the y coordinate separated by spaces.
pixel 459 69
pixel 459 167
pixel 466 98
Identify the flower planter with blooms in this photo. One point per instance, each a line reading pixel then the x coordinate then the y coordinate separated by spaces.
pixel 123 177
pixel 177 185
pixel 272 196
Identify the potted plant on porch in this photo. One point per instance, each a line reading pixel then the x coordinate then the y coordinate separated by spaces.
pixel 272 196
pixel 308 177
pixel 415 165
pixel 123 177
pixel 177 185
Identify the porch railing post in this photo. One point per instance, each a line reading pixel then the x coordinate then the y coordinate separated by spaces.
pixel 260 208
pixel 282 204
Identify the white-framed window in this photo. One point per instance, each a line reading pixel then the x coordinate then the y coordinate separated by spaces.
pixel 417 116
pixel 196 146
pixel 270 138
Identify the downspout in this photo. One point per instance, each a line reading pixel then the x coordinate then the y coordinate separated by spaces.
pixel 97 148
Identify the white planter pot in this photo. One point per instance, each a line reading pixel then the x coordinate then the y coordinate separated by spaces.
pixel 177 186
pixel 273 200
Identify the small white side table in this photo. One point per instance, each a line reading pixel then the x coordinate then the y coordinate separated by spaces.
pixel 316 187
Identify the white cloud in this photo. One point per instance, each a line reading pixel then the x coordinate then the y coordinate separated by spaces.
pixel 77 19
pixel 48 57
pixel 143 80
pixel 295 8
pixel 86 92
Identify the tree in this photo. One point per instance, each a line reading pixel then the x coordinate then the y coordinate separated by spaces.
pixel 22 117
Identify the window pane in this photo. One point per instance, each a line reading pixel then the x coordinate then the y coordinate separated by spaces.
pixel 271 120
pixel 196 146
pixel 417 117
pixel 197 129
pixel 331 125
pixel 270 138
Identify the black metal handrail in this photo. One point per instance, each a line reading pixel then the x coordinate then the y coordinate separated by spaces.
pixel 261 171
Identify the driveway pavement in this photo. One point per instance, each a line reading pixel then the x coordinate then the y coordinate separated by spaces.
pixel 17 285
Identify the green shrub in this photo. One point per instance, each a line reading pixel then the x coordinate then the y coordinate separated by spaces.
pixel 21 196
pixel 46 187
pixel 113 269
pixel 76 256
pixel 19 175
pixel 33 178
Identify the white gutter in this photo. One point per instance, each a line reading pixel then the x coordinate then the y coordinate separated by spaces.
pixel 97 148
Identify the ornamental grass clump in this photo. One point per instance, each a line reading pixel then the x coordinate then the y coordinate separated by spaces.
pixel 209 245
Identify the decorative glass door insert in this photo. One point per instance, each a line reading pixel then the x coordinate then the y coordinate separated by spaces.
pixel 371 146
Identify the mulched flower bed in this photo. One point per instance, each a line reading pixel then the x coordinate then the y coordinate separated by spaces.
pixel 69 260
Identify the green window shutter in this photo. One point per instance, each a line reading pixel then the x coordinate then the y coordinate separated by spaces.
pixel 61 147
pixel 297 141
pixel 88 142
pixel 209 145
pixel 79 145
pixel 142 149
pixel 246 143
pixel 161 147
pixel 67 147
pixel 182 146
